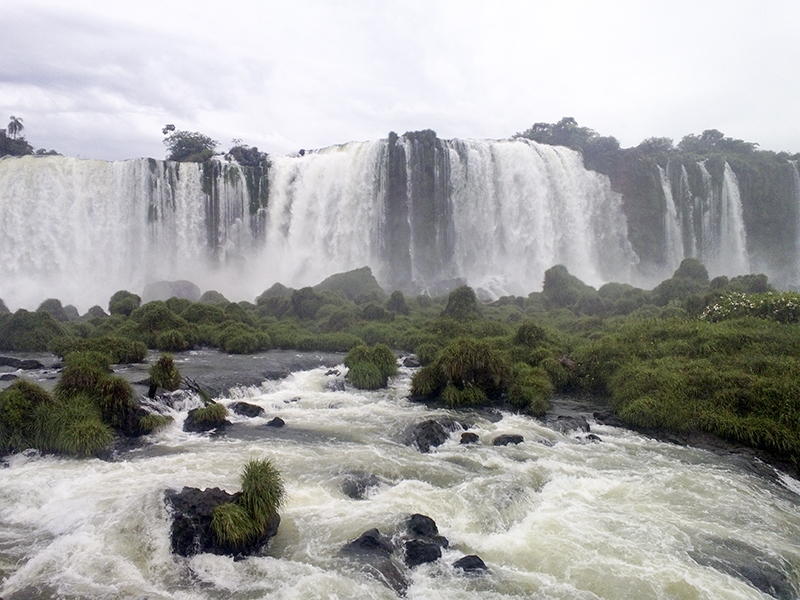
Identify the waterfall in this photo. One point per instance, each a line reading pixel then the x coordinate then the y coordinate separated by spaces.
pixel 732 253
pixel 796 191
pixel 673 232
pixel 324 215
pixel 416 209
pixel 520 207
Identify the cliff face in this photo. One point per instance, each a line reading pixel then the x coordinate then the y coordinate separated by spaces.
pixel 735 212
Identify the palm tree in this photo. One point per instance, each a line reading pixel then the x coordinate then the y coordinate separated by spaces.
pixel 15 126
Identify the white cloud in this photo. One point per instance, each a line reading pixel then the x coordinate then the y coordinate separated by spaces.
pixel 101 78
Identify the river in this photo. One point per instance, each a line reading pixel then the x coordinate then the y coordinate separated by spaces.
pixel 558 516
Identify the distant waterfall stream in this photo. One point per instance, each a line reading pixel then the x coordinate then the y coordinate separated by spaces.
pixel 558 516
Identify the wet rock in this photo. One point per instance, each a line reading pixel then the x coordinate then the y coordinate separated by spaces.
pixel 371 541
pixel 191 532
pixel 276 422
pixel 417 552
pixel 593 438
pixel 423 527
pixel 471 563
pixel 246 409
pixel 357 484
pixel 8 377
pixel 411 362
pixel 191 424
pixel 373 551
pixel 766 573
pixel 507 438
pixel 28 364
pixel 572 423
pixel 608 418
pixel 428 434
pixel 469 437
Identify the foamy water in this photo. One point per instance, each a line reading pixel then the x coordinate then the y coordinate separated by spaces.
pixel 556 517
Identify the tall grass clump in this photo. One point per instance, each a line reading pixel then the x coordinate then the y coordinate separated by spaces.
pixel 248 518
pixel 165 374
pixel 467 372
pixel 369 368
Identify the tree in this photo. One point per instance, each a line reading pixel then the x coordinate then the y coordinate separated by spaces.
pixel 188 146
pixel 15 126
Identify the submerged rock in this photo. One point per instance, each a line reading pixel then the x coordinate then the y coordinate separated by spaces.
pixel 246 409
pixel 766 573
pixel 373 551
pixel 507 438
pixel 417 552
pixel 469 437
pixel 357 484
pixel 423 527
pixel 431 433
pixel 471 564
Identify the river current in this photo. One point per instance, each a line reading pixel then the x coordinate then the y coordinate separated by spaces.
pixel 558 516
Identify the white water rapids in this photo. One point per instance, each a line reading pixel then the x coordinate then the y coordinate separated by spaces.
pixel 555 517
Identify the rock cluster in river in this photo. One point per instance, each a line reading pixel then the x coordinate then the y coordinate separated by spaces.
pixel 389 558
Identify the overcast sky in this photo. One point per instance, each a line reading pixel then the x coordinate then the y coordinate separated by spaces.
pixel 99 79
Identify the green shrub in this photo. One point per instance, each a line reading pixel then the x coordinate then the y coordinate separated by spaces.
pixel 118 405
pixel 366 376
pixel 83 373
pixel 464 366
pixel 29 331
pixel 426 353
pixel 123 303
pixel 118 350
pixel 462 304
pixel 397 303
pixel 171 340
pixel 233 525
pixel 199 313
pixel 74 426
pixel 263 492
pixel 246 519
pixel 306 302
pixel 165 374
pixel 19 406
pixel 211 413
pixel 153 422
pixel 465 396
pixel 530 389
pixel 370 368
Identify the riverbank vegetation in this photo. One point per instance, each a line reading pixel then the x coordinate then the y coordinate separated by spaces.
pixel 718 356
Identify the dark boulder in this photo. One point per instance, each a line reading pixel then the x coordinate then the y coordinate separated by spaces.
pixel 371 541
pixel 469 437
pixel 565 423
pixel 276 422
pixel 411 362
pixel 608 418
pixel 191 533
pixel 27 364
pixel 373 551
pixel 423 527
pixel 417 552
pixel 246 409
pixel 507 438
pixel 8 377
pixel 431 433
pixel 471 564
